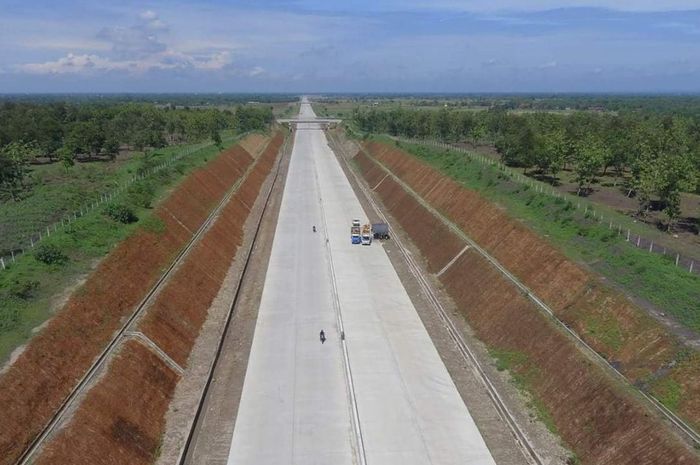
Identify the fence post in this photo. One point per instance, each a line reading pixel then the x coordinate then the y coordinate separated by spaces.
pixel 31 240
pixel 2 261
pixel 13 255
pixel 677 257
pixel 692 262
pixel 638 239
pixel 628 235
pixel 48 232
pixel 651 246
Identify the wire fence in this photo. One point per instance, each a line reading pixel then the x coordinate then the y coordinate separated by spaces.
pixel 633 238
pixel 33 239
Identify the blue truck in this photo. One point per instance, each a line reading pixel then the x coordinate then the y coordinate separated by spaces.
pixel 355 236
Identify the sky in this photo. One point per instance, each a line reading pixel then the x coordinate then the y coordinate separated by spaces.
pixel 317 46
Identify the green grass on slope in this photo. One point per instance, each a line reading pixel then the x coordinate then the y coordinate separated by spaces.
pixel 29 287
pixel 582 238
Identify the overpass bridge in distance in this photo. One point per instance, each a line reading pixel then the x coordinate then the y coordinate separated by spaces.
pixel 325 122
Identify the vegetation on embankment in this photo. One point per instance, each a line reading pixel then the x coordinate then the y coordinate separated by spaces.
pixel 31 288
pixel 652 277
pixel 127 401
pixel 36 384
pixel 600 418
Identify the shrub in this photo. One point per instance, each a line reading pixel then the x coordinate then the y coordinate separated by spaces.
pixel 23 289
pixel 141 194
pixel 50 255
pixel 120 213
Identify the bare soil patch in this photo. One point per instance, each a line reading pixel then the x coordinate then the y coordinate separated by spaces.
pixel 254 143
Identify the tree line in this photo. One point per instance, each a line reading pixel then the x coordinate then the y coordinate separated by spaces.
pixel 66 132
pixel 654 156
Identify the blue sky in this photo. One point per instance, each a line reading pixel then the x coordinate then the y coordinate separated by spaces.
pixel 358 46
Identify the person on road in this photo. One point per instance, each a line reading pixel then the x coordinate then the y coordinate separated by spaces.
pixel 314 228
pixel 322 336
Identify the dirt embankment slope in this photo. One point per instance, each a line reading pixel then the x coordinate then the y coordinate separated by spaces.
pixel 121 420
pixel 602 421
pixel 53 362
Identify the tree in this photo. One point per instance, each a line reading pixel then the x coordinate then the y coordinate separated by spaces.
pixel 675 175
pixel 13 168
pixel 66 156
pixel 442 124
pixel 590 154
pixel 554 148
pixel 216 138
pixel 516 143
pixel 673 167
pixel 111 146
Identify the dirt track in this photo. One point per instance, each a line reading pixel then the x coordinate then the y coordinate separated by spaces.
pixel 600 421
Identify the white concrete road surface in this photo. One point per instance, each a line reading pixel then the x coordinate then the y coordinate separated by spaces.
pixel 297 402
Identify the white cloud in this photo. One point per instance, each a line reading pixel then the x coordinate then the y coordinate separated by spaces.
pixel 148 15
pixel 67 65
pixel 167 60
pixel 548 65
pixel 137 50
pixel 256 71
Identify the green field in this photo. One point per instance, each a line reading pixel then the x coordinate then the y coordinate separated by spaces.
pixel 29 289
pixel 652 277
pixel 55 192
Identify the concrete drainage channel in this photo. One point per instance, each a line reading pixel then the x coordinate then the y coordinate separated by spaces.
pixel 125 332
pixel 517 431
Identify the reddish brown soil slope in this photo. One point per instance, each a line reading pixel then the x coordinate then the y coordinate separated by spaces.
pixel 606 319
pixel 123 417
pixel 38 382
pixel 179 311
pixel 128 426
pixel 603 423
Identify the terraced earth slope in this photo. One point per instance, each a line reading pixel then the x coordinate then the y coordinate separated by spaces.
pixel 597 416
